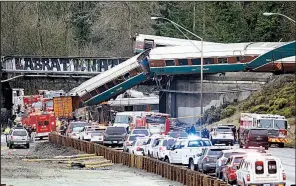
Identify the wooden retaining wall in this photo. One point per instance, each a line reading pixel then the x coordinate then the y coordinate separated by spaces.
pixel 173 172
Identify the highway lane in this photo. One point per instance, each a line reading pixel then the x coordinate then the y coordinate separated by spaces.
pixel 287 155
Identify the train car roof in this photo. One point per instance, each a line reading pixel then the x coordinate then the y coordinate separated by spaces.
pixel 230 49
pixel 104 75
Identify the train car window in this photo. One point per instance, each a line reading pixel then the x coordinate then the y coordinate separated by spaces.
pixel 195 61
pixel 158 45
pixel 183 61
pixel 139 70
pixel 237 59
pixel 169 62
pixel 110 84
pixel 148 43
pixel 126 76
pixel 119 80
pixel 102 89
pixel 86 97
pixel 208 61
pixel 222 60
pixel 93 93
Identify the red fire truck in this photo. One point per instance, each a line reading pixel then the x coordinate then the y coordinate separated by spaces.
pixel 45 122
pixel 277 126
pixel 157 123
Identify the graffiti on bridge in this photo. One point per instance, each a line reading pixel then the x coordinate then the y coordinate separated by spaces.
pixel 65 64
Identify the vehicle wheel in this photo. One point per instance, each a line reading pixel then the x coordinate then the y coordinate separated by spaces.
pixel 281 145
pixel 202 170
pixel 221 176
pixel 191 165
pixel 246 147
pixel 231 144
pixel 167 160
pixel 240 145
pixel 266 148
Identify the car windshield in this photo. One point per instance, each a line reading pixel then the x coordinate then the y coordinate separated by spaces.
pixel 237 160
pixel 280 124
pixel 155 119
pixel 228 154
pixel 214 152
pixel 141 142
pixel 195 143
pixel 77 129
pixel 121 119
pixel 132 138
pixel 19 133
pixel 116 130
pixel 206 143
pixel 37 105
pixel 179 134
pixel 259 132
pixel 266 123
pixel 49 104
pixel 224 129
pixel 80 124
pixel 97 131
pixel 168 142
pixel 141 132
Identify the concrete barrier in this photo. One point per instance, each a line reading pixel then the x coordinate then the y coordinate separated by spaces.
pixel 173 172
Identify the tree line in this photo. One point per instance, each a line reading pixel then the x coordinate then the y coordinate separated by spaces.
pixel 105 28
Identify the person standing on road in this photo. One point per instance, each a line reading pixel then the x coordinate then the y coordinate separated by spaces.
pixel 33 134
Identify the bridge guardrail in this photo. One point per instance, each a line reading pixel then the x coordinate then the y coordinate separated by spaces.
pixel 173 172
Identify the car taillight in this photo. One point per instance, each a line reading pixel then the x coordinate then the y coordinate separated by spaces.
pixel 284 176
pixel 248 177
pixel 138 148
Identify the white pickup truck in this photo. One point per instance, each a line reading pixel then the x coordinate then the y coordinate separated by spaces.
pixel 186 150
pixel 222 135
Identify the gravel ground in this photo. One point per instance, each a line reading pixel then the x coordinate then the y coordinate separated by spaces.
pixel 49 150
pixel 16 172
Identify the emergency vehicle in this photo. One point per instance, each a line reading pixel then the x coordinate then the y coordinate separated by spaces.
pixel 277 126
pixel 44 122
pixel 261 169
pixel 156 123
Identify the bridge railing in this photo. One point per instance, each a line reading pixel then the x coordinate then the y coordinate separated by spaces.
pixel 58 65
pixel 164 169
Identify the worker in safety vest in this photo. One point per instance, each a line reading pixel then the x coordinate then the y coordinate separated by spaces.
pixel 6 132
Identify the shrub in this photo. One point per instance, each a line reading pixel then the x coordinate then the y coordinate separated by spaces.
pixel 281 102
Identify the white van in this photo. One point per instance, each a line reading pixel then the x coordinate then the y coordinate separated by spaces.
pixel 261 169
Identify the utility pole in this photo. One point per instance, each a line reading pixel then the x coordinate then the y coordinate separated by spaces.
pixel 193 27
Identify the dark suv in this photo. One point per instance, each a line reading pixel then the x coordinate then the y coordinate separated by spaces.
pixel 114 136
pixel 254 137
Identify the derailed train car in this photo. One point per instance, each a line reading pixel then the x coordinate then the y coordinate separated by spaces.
pixel 114 81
